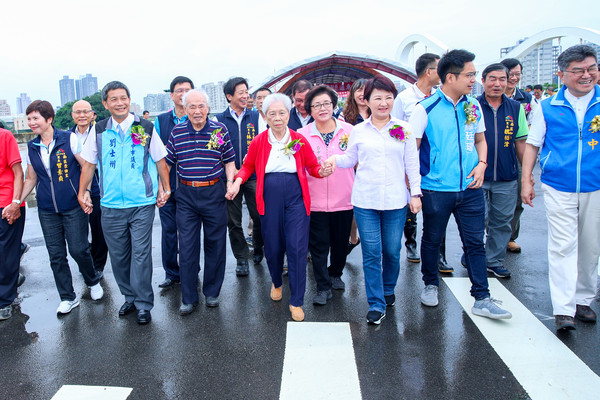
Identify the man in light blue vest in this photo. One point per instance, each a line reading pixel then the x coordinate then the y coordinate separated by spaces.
pixel 566 127
pixel 130 157
pixel 449 128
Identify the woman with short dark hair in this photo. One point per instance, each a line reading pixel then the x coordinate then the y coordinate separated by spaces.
pixel 386 152
pixel 53 169
pixel 330 207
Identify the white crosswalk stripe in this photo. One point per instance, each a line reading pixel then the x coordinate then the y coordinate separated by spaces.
pixel 543 365
pixel 319 362
pixel 81 392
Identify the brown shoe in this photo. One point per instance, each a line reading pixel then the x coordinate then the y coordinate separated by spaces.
pixel 297 313
pixel 564 322
pixel 276 293
pixel 513 247
pixel 585 314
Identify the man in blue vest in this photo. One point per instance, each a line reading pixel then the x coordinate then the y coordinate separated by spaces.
pixel 164 124
pixel 505 131
pixel 130 157
pixel 242 125
pixel 566 127
pixel 82 116
pixel 449 128
pixel 299 116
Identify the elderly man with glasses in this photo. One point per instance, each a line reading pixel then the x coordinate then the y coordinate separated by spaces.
pixel 567 129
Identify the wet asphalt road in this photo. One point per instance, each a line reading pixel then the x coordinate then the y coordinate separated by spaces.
pixel 236 351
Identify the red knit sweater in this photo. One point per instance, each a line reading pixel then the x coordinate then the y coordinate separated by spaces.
pixel 256 161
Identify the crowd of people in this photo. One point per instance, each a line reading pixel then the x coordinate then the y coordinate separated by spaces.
pixel 317 182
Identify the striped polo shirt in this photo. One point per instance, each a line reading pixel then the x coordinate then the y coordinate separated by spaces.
pixel 188 149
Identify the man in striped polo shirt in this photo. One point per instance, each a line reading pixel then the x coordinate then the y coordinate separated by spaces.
pixel 202 151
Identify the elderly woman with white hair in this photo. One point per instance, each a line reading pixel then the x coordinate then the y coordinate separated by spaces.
pixel 281 157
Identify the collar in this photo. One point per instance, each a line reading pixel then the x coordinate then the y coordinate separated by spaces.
pixel 315 132
pixel 391 122
pixel 178 120
pixel 463 97
pixel 420 95
pixel 125 125
pixel 234 114
pixel 285 140
pixel 193 131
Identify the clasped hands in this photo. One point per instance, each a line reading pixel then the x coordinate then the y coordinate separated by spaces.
pixel 11 213
pixel 328 167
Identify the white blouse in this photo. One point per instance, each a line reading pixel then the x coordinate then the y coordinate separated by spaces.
pixel 278 161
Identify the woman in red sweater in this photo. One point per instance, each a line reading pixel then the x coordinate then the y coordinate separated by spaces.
pixel 280 157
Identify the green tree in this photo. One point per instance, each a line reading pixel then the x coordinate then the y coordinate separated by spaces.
pixel 63 119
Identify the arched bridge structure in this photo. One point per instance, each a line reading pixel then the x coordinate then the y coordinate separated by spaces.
pixel 336 67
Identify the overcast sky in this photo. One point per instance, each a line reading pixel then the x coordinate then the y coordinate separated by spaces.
pixel 146 43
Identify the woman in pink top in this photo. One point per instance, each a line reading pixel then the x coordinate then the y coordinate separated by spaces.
pixel 331 209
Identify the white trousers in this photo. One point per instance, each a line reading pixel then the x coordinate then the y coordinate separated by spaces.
pixel 573 247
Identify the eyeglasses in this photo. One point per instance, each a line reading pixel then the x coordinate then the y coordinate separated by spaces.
pixel 592 69
pixel 327 104
pixel 79 112
pixel 181 90
pixel 469 75
pixel 515 75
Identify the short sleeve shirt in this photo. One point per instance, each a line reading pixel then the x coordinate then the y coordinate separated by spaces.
pixel 9 156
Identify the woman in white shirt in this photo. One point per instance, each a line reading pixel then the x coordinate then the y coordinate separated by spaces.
pixel 386 154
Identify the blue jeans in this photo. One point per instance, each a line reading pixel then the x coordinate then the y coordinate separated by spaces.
pixel 380 233
pixel 468 208
pixel 71 226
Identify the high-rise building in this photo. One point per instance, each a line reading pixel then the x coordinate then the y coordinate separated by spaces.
pixel 67 90
pixel 540 65
pixel 4 109
pixel 216 98
pixel 159 102
pixel 595 46
pixel 86 86
pixel 23 101
pixel 135 108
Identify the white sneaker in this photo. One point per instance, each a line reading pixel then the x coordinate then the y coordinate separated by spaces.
pixel 96 292
pixel 65 307
pixel 429 296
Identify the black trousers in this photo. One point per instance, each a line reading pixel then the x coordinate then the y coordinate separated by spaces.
pixel 99 248
pixel 10 255
pixel 329 230
pixel 234 221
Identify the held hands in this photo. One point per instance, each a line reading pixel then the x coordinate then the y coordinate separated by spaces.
pixel 415 204
pixel 85 202
pixel 162 197
pixel 527 191
pixel 478 174
pixel 11 213
pixel 232 189
pixel 328 167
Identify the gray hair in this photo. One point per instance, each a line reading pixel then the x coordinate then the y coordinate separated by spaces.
pixel 276 98
pixel 112 86
pixel 575 53
pixel 185 96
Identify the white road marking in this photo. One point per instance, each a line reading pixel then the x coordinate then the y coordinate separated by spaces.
pixel 543 365
pixel 319 362
pixel 80 392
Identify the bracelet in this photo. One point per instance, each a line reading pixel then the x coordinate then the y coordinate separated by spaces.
pixel 229 180
pixel 88 190
pixel 481 161
pixel 167 192
pixel 16 201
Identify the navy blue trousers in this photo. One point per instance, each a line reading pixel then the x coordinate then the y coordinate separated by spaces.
pixel 201 208
pixel 285 227
pixel 169 241
pixel 10 254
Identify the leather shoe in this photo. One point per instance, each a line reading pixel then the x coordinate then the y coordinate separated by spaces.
pixel 585 314
pixel 564 322
pixel 212 301
pixel 258 256
pixel 276 293
pixel 186 309
pixel 513 247
pixel 443 266
pixel 412 255
pixel 297 313
pixel 167 283
pixel 21 279
pixel 242 268
pixel 126 308
pixel 144 317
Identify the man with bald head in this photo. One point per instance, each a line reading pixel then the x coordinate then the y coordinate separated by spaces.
pixel 201 151
pixel 83 115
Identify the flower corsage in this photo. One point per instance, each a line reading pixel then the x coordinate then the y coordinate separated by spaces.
pixel 399 133
pixel 595 124
pixel 138 135
pixel 344 142
pixel 292 147
pixel 471 112
pixel 216 139
pixel 526 107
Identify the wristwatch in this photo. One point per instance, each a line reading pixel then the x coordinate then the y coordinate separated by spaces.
pixel 167 192
pixel 16 201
